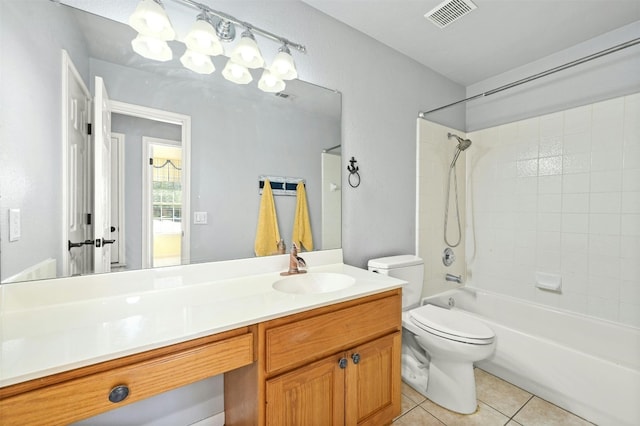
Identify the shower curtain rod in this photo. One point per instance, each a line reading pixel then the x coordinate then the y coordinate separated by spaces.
pixel 539 75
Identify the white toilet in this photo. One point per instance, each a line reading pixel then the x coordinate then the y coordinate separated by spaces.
pixel 439 346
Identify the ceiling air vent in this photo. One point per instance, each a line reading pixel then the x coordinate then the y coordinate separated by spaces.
pixel 449 11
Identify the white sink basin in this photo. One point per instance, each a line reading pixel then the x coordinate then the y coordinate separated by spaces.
pixel 314 283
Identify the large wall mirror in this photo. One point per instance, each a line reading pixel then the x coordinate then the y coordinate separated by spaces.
pixel 182 154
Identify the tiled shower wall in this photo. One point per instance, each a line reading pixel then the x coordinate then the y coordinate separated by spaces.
pixel 560 194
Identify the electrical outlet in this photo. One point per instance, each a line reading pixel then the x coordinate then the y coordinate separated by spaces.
pixel 199 218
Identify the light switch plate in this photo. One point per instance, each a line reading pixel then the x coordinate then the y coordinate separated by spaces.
pixel 199 218
pixel 14 224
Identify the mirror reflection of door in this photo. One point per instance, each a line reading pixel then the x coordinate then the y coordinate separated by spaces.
pixel 164 190
pixel 76 191
pixel 102 179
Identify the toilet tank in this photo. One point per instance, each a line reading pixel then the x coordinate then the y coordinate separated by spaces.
pixel 406 267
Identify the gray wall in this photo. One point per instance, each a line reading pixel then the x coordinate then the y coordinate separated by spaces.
pixel 607 77
pixel 25 162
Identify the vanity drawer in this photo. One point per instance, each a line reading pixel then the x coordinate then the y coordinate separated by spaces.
pixel 311 338
pixel 87 396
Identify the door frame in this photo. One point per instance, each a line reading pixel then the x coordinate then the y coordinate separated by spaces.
pixel 119 139
pixel 184 121
pixel 68 70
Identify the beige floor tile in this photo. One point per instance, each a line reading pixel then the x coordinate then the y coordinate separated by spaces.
pixel 484 415
pixel 501 395
pixel 539 412
pixel 417 417
pixel 412 393
pixel 407 404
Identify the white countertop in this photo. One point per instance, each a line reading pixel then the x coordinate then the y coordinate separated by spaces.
pixel 51 326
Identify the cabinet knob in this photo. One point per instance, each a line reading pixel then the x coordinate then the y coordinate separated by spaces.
pixel 119 393
pixel 355 358
pixel 342 363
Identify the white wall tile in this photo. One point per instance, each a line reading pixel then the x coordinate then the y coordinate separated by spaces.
pixel 574 242
pixel 575 203
pixel 576 183
pixel 605 202
pixel 550 184
pixel 561 193
pixel 575 223
pixel 576 163
pixel 577 120
pixel 631 224
pixel 606 181
pixel 604 224
pixel 631 180
pixel 630 247
pixel 550 166
pixel 550 146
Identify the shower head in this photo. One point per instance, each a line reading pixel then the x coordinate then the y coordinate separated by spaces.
pixel 462 143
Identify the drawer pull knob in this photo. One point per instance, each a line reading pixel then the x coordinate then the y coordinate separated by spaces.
pixel 342 363
pixel 355 358
pixel 119 393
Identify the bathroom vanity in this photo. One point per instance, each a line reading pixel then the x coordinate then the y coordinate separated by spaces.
pixel 287 358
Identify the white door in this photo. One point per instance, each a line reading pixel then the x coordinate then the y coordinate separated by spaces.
pixel 331 201
pixel 77 227
pixel 102 179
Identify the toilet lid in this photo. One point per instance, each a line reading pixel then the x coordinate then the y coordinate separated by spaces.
pixel 452 323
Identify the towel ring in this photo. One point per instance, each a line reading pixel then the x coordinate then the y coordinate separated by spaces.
pixel 353 171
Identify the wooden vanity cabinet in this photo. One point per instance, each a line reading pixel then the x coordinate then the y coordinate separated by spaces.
pixel 336 365
pixel 85 392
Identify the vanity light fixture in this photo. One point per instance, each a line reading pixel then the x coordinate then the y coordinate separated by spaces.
pixel 202 37
pixel 204 40
pixel 152 48
pixel 269 82
pixel 247 52
pixel 197 62
pixel 236 73
pixel 150 19
pixel 283 65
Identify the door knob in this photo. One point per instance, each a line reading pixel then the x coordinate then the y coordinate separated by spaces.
pixel 355 358
pixel 71 245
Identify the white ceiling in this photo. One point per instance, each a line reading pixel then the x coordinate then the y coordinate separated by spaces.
pixel 497 36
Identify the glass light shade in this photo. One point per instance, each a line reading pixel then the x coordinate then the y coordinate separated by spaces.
pixel 247 52
pixel 236 73
pixel 283 65
pixel 152 48
pixel 202 38
pixel 269 82
pixel 150 19
pixel 197 62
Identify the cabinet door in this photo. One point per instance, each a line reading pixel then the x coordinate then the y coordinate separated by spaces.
pixel 373 382
pixel 311 395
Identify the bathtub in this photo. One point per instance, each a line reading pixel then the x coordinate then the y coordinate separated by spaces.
pixel 588 366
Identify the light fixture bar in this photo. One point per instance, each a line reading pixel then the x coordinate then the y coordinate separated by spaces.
pixel 246 25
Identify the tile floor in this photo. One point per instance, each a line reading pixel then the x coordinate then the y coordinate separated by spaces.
pixel 499 403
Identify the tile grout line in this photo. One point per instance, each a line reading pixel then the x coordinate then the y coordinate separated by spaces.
pixel 520 409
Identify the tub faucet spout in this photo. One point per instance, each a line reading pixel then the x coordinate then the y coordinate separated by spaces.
pixel 454 278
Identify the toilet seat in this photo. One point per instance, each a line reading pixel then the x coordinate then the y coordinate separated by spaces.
pixel 451 325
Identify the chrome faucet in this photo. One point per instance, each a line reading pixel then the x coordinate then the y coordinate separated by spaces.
pixel 295 262
pixel 454 278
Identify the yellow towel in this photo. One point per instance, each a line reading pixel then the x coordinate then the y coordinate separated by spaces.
pixel 301 224
pixel 267 233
